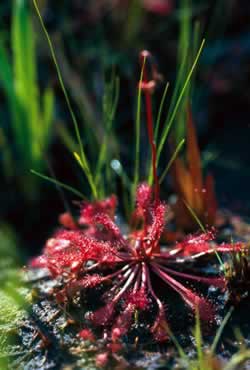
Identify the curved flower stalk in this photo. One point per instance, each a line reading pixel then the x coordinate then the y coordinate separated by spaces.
pixel 98 254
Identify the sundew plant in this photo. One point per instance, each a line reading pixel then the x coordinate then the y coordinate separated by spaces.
pixel 115 265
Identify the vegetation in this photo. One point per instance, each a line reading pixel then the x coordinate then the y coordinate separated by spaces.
pixel 30 111
pixel 112 281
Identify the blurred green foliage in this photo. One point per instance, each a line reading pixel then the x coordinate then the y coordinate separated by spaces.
pixel 30 110
pixel 11 301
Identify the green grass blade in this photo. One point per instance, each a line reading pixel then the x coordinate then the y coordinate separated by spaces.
pixel 179 100
pixel 86 167
pixel 172 159
pixel 59 183
pixel 7 83
pixel 24 66
pixel 180 350
pixel 220 330
pixel 159 114
pixel 238 360
pixel 137 133
pixel 156 131
pixel 110 102
pixel 196 218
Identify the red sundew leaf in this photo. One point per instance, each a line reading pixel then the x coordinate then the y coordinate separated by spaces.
pixel 194 301
pixel 195 244
pixel 56 244
pixel 102 316
pixel 227 247
pixel 86 334
pixel 158 224
pixel 139 299
pixel 90 210
pixel 143 203
pixel 70 260
pixel 114 348
pixel 59 254
pixel 204 307
pixel 143 197
pixel 39 262
pixel 66 220
pixel 160 328
pixel 90 281
pixel 123 322
pixel 114 231
pixel 68 250
pixel 101 359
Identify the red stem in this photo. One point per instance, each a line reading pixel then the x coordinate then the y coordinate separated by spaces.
pixel 150 126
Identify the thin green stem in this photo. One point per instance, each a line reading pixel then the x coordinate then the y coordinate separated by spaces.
pixel 172 159
pixel 159 115
pixel 198 338
pixel 59 183
pixel 85 168
pixel 220 330
pixel 157 126
pixel 196 218
pixel 177 344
